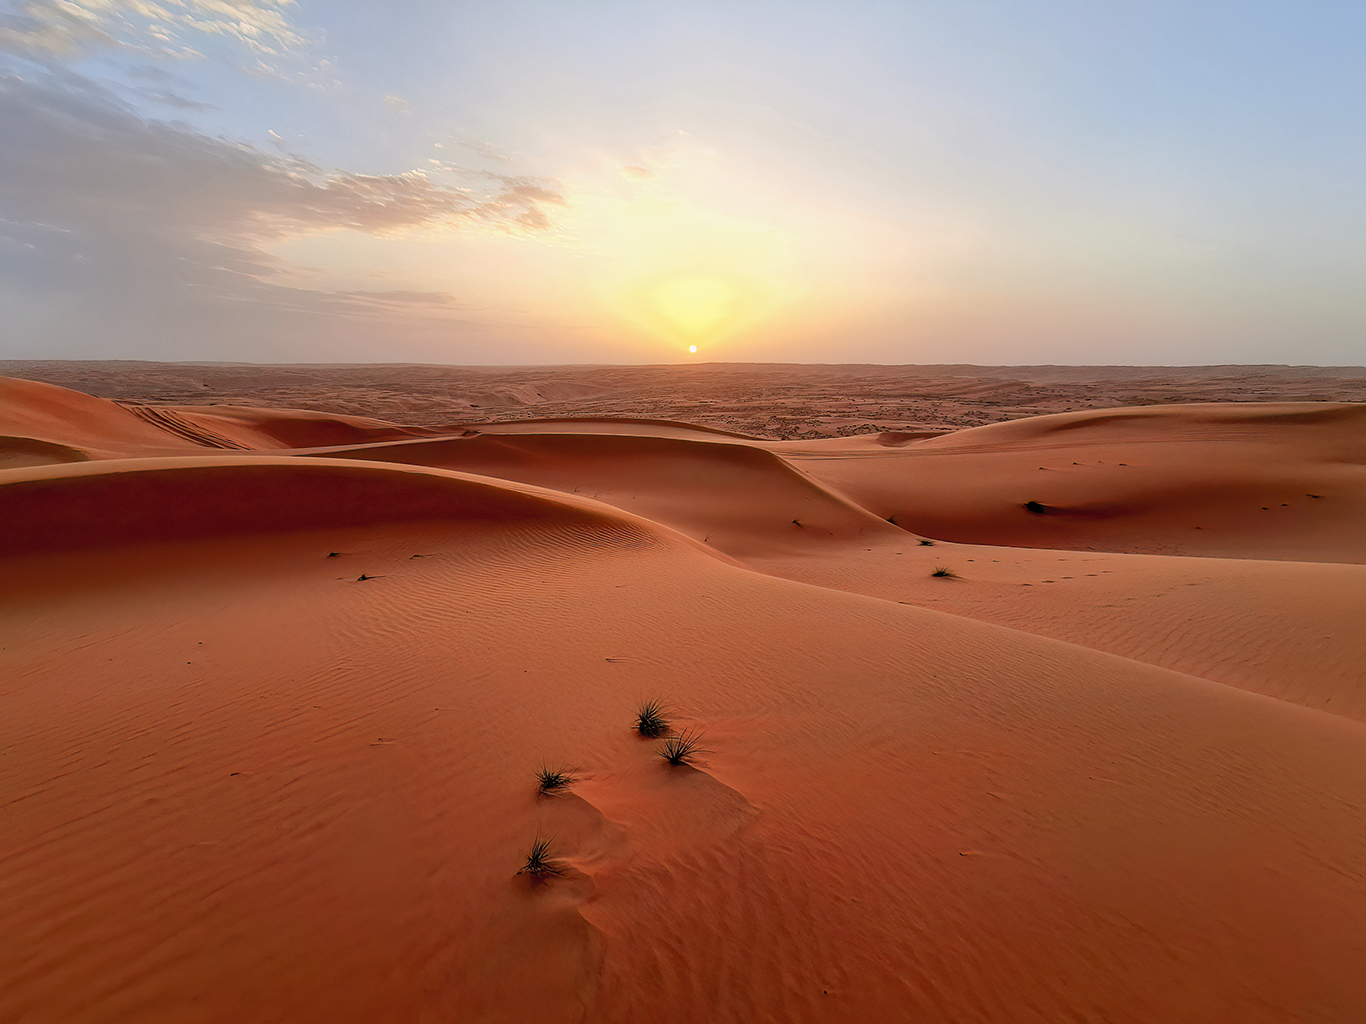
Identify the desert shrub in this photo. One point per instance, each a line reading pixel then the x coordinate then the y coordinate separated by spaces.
pixel 550 780
pixel 650 720
pixel 538 862
pixel 681 749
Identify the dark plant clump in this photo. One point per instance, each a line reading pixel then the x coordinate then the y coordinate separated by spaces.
pixel 650 720
pixel 681 749
pixel 538 863
pixel 548 779
pixel 926 543
pixel 944 572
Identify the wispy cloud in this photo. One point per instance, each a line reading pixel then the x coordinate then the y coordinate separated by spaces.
pixel 68 28
pixel 172 99
pixel 131 216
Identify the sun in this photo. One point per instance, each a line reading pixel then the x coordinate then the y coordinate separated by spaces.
pixel 692 348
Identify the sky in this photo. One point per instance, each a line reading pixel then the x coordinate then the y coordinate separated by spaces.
pixel 496 182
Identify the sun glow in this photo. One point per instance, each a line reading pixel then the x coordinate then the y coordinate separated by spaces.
pixel 679 252
pixel 680 249
pixel 693 308
pixel 696 306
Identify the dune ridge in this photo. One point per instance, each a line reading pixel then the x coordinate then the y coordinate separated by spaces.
pixel 130 501
pixel 739 498
pixel 276 685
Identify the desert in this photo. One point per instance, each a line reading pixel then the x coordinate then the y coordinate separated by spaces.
pixel 1019 693
pixel 709 512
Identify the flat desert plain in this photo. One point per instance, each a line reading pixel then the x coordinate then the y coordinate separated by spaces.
pixel 1031 694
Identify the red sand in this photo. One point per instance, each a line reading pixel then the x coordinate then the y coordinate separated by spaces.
pixel 1094 778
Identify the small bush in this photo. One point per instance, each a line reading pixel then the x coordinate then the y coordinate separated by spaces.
pixel 650 720
pixel 681 749
pixel 926 543
pixel 944 573
pixel 550 780
pixel 538 863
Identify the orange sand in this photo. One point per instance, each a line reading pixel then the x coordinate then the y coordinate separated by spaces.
pixel 1100 776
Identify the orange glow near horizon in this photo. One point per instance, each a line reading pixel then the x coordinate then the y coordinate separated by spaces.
pixel 683 254
pixel 696 306
pixel 691 309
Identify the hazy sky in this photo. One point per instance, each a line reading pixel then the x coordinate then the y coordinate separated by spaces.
pixel 504 181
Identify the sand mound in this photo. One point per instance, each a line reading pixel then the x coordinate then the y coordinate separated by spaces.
pixel 17 452
pixel 739 499
pixel 270 722
pixel 616 425
pixel 897 438
pixel 130 501
pixel 880 828
pixel 69 419
pixel 1283 629
pixel 291 428
pixel 1233 480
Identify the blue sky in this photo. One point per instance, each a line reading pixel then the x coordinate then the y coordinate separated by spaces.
pixel 519 181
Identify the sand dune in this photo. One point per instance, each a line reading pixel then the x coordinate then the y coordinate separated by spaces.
pixel 271 720
pixel 70 423
pixel 294 428
pixel 28 451
pixel 738 498
pixel 130 501
pixel 1234 480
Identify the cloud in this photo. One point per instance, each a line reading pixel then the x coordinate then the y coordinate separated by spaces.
pixel 481 149
pixel 405 298
pixel 130 223
pixel 65 29
pixel 84 158
pixel 171 99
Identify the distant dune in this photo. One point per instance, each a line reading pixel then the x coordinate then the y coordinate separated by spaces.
pixel 277 684
pixel 779 401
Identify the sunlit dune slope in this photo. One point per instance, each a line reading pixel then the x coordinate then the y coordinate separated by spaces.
pixel 1234 480
pixel 1289 630
pixel 70 426
pixel 260 788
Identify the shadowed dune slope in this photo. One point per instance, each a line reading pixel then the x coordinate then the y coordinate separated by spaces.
pixel 107 505
pixel 259 791
pixel 616 425
pixel 17 452
pixel 1232 480
pixel 741 499
pixel 256 427
pixel 293 428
